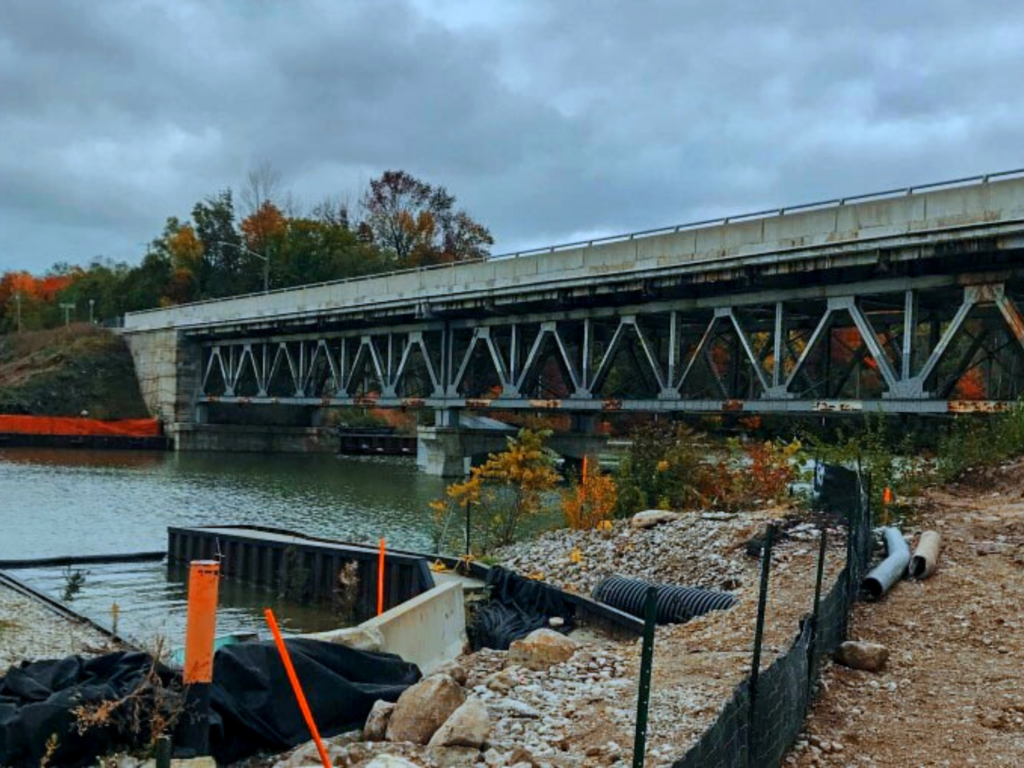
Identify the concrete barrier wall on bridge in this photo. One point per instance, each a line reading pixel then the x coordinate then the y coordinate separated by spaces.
pixel 812 230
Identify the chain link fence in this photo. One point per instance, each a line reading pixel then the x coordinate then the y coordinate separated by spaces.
pixel 756 732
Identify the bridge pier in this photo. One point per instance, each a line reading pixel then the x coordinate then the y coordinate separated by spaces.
pixel 456 442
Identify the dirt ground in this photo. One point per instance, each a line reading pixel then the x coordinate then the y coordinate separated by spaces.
pixel 952 693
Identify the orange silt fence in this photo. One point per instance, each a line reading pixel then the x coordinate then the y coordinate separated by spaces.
pixel 73 425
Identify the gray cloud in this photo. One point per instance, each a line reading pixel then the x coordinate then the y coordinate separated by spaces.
pixel 548 120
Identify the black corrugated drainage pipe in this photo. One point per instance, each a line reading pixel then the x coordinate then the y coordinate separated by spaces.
pixel 881 578
pixel 926 556
pixel 675 604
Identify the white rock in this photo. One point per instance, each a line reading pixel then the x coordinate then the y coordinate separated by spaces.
pixel 376 726
pixel 652 517
pixel 391 761
pixel 468 726
pixel 359 638
pixel 541 649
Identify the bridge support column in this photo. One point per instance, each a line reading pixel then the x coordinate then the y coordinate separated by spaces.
pixel 440 449
pixel 453 445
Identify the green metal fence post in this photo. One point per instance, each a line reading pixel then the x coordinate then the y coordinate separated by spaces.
pixel 646 663
pixel 162 752
pixel 755 664
pixel 812 648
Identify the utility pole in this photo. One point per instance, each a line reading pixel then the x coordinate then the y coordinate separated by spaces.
pixel 67 307
pixel 264 259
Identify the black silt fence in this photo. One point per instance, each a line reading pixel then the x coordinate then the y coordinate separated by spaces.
pixel 724 744
pixel 782 700
pixel 785 688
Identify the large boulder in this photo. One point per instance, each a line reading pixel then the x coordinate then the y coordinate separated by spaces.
pixel 652 517
pixel 541 649
pixel 423 708
pixel 468 726
pixel 870 657
pixel 376 727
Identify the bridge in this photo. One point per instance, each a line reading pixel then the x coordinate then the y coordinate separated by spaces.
pixel 903 301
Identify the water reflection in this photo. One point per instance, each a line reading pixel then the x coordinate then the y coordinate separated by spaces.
pixel 69 502
pixel 91 502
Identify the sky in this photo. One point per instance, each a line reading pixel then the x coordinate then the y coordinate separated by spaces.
pixel 550 121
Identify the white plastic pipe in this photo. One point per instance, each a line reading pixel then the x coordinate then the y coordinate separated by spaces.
pixel 926 556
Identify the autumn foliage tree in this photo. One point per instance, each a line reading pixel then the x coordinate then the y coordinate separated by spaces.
pixel 221 251
pixel 509 486
pixel 590 499
pixel 416 223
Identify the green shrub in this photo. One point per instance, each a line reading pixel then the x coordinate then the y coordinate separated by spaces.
pixel 664 468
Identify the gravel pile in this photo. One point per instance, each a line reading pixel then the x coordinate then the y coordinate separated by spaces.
pixel 698 550
pixel 29 632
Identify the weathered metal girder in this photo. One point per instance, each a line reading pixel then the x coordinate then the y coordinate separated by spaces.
pixel 930 344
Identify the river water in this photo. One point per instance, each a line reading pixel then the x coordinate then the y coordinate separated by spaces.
pixel 71 502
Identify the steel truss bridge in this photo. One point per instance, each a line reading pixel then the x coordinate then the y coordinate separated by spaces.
pixel 904 302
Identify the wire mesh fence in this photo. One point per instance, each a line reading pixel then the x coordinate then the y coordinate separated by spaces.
pixel 756 731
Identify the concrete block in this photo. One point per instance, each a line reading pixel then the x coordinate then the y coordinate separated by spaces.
pixel 428 630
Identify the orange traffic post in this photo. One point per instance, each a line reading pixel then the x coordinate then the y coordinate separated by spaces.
pixel 380 579
pixel 201 629
pixel 887 495
pixel 293 678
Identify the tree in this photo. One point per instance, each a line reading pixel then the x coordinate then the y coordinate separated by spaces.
pixel 229 270
pixel 417 224
pixel 589 500
pixel 510 485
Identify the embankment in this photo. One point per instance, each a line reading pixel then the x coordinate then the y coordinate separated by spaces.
pixel 68 371
pixel 73 386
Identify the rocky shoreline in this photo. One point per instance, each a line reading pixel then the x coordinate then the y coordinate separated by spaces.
pixel 29 631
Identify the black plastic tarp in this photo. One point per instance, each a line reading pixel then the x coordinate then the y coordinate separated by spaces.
pixel 253 708
pixel 517 607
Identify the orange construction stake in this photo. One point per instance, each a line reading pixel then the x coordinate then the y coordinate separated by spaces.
pixel 296 686
pixel 380 579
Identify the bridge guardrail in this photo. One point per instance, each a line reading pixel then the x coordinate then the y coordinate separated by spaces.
pixel 638 234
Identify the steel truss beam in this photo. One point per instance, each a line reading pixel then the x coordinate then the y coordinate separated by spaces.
pixel 329 367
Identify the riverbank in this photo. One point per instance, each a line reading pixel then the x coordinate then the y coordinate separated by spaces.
pixel 30 632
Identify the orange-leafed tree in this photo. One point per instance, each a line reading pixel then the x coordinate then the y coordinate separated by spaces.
pixel 264 228
pixel 589 500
